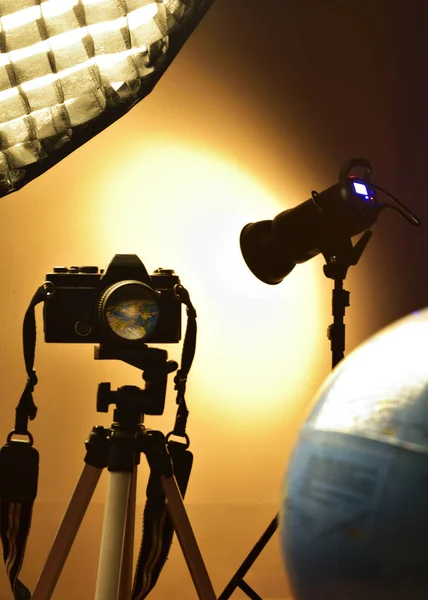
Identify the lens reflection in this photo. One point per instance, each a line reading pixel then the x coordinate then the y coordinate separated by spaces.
pixel 132 319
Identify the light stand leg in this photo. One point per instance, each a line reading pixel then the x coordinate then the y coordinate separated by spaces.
pixel 66 533
pixel 113 536
pixel 237 580
pixel 187 540
pixel 125 588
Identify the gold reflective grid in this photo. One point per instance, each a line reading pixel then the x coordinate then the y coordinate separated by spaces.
pixel 63 63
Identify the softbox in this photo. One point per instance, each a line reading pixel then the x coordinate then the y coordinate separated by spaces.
pixel 70 68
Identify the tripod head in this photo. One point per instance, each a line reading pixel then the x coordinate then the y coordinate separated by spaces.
pixel 131 401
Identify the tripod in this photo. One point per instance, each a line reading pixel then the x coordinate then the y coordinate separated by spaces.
pixel 119 449
pixel 340 254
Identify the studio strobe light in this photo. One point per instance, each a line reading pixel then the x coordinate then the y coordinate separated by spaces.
pixel 324 223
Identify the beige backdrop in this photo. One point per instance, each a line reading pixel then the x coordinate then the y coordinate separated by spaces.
pixel 175 181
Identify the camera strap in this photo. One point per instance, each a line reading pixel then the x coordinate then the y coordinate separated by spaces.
pixel 19 464
pixel 187 356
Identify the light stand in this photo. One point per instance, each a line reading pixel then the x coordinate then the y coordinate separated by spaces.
pixel 336 268
pixel 340 254
pixel 119 448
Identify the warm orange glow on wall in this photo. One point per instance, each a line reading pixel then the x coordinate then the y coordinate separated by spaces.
pixel 181 208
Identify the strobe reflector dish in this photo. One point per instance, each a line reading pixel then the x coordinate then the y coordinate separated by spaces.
pixel 70 68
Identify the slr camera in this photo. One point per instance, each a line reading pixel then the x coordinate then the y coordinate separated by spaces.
pixel 122 305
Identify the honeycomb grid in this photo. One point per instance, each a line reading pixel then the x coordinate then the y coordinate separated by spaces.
pixel 64 63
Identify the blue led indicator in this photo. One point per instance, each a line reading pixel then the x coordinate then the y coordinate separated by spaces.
pixel 361 189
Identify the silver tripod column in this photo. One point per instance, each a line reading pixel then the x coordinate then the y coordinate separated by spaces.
pixel 113 536
pixel 121 465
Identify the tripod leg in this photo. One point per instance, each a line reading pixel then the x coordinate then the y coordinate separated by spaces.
pixel 66 533
pixel 113 536
pixel 128 549
pixel 187 540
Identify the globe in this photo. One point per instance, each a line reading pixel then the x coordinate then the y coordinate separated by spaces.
pixel 354 508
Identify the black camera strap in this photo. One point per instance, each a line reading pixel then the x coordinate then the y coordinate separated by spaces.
pixel 19 464
pixel 187 356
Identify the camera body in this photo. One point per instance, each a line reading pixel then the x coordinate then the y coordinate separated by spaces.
pixel 85 301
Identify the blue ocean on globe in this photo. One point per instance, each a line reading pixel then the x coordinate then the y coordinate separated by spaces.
pixel 354 507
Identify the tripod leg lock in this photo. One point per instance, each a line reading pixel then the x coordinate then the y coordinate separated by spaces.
pixel 97 446
pixel 121 455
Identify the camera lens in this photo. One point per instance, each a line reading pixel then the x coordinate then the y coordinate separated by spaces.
pixel 129 310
